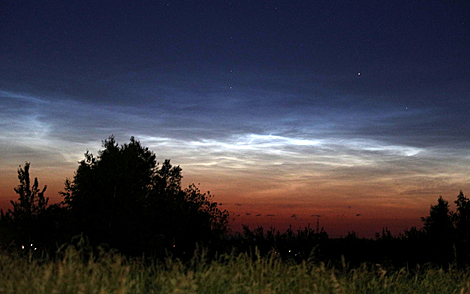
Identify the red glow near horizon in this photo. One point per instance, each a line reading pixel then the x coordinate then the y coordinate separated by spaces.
pixel 363 217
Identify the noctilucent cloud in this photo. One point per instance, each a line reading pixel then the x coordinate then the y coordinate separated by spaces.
pixel 352 113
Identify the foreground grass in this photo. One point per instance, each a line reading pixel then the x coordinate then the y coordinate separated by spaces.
pixel 111 273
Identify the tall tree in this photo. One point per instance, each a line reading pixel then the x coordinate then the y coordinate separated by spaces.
pixel 124 198
pixel 107 192
pixel 439 223
pixel 30 219
pixel 462 217
pixel 462 228
pixel 439 229
pixel 31 200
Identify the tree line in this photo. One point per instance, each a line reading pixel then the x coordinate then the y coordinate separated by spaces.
pixel 127 200
pixel 123 198
pixel 444 239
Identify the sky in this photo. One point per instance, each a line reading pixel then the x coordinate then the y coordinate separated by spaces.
pixel 354 114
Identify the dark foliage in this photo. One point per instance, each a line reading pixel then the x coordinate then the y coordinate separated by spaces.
pixel 439 231
pixel 461 220
pixel 31 223
pixel 443 240
pixel 125 199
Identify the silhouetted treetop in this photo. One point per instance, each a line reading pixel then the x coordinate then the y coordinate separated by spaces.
pixel 119 172
pixel 439 223
pixel 31 200
pixel 32 220
pixel 462 217
pixel 123 197
pixel 448 231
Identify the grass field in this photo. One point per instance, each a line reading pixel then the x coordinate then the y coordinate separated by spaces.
pixel 112 273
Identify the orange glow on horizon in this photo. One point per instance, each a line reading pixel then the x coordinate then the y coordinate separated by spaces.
pixel 340 206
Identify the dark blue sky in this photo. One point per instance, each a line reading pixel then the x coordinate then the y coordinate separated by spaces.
pixel 271 103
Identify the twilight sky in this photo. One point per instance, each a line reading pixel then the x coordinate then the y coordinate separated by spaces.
pixel 352 112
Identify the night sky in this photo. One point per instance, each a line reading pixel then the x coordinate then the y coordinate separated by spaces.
pixel 355 113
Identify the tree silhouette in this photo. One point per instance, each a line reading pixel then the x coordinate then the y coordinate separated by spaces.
pixel 462 228
pixel 462 217
pixel 31 200
pixel 31 221
pixel 439 222
pixel 126 199
pixel 439 229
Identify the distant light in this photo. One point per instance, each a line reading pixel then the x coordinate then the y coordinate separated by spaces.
pixel 358 73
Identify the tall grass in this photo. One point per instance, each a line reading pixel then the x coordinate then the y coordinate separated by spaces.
pixel 112 273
